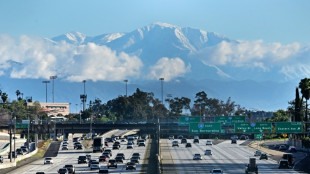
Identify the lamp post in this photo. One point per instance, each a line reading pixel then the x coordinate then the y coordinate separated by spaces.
pixel 53 78
pixel 126 81
pixel 14 136
pixel 158 123
pixel 162 90
pixel 83 97
pixel 46 82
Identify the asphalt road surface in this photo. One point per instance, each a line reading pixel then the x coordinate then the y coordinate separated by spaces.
pixel 231 158
pixel 70 157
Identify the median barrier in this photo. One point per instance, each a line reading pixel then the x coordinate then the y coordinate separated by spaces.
pixel 19 158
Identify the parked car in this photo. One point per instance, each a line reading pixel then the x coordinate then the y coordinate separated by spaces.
pixel 91 161
pixel 48 160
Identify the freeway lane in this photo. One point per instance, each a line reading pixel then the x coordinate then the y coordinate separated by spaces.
pixel 231 158
pixel 70 157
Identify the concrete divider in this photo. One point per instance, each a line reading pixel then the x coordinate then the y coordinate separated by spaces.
pixel 6 150
pixel 19 158
pixel 131 132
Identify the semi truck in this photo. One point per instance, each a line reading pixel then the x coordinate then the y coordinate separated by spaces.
pixel 98 144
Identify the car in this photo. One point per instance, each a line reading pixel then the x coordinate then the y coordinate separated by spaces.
pixel 131 166
pixel 24 149
pixel 94 165
pixel 175 143
pixel 136 155
pixel 119 159
pixel 70 168
pixel 184 140
pixel 123 140
pixel 91 161
pixel 263 156
pixel 233 141
pixel 282 147
pixel 180 137
pixel 208 152
pixel 88 156
pixel 292 149
pixel 284 164
pixel 196 141
pixel 243 137
pixel 106 154
pixel 40 172
pixel 76 139
pixel 1 159
pixel 216 171
pixel 208 142
pixel 121 155
pixel 103 170
pixel 115 147
pixel 112 163
pixel 103 158
pixel 64 148
pixel 82 159
pixel 171 137
pixel 134 160
pixel 257 153
pixel 188 145
pixel 109 151
pixel 276 146
pixel 197 156
pixel 129 145
pixel 19 151
pixel 48 161
pixel 63 171
pixel 234 137
pixel 65 142
pixel 141 144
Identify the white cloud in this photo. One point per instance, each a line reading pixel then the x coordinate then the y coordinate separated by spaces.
pixel 31 57
pixel 168 68
pixel 257 54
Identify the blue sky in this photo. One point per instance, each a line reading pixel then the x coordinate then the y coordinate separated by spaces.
pixel 284 21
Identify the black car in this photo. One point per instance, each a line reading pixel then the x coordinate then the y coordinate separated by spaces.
pixel 103 170
pixel 19 152
pixel 90 161
pixel 196 140
pixel 131 166
pixel 188 145
pixel 109 151
pixel 82 159
pixel 112 163
pixel 289 157
pixel 115 147
pixel 40 173
pixel 121 155
pixel 137 155
pixel 134 160
pixel 263 156
pixel 184 140
pixel 284 164
pixel 1 159
pixel 119 159
pixel 233 141
pixel 79 147
pixel 63 171
pixel 70 168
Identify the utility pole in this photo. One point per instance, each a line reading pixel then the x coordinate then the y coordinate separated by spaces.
pixel 53 78
pixel 14 136
pixel 46 82
pixel 126 81
pixel 83 97
pixel 10 130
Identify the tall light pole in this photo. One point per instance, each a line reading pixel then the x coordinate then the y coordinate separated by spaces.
pixel 162 89
pixel 14 136
pixel 46 82
pixel 83 97
pixel 126 81
pixel 53 78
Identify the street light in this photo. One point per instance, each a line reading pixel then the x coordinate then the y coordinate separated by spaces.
pixel 126 81
pixel 46 82
pixel 53 78
pixel 162 89
pixel 83 97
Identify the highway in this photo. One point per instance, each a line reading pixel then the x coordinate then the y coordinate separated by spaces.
pixel 70 157
pixel 231 158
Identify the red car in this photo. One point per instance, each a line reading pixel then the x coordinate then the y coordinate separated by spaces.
pixel 103 158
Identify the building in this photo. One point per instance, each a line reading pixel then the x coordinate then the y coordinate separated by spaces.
pixel 54 108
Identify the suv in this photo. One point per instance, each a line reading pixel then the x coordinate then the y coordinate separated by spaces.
pixel 284 164
pixel 70 168
pixel 289 157
pixel 184 140
pixel 82 159
pixel 263 156
pixel 112 163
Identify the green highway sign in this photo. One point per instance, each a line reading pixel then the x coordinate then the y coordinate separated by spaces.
pixel 185 120
pixel 229 119
pixel 289 127
pixel 253 128
pixel 258 136
pixel 20 125
pixel 205 128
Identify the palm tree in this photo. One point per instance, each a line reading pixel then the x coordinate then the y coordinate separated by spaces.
pixel 17 93
pixel 304 86
pixel 4 97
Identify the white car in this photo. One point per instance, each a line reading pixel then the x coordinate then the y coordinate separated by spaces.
pixel 209 142
pixel 217 171
pixel 197 156
pixel 48 161
pixel 208 152
pixel 257 153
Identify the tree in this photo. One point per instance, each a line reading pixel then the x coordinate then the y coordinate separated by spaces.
pixel 178 104
pixel 4 97
pixel 304 86
pixel 17 94
pixel 199 107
